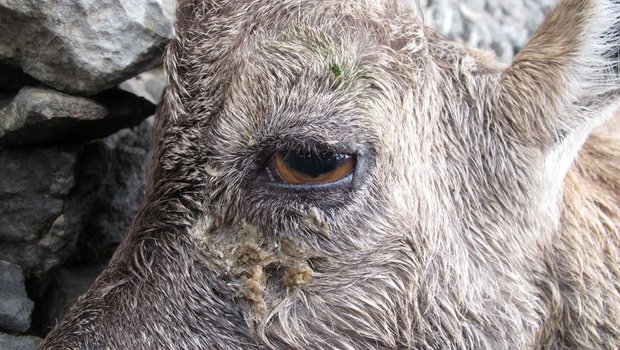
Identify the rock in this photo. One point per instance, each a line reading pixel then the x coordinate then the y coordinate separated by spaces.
pixel 149 85
pixel 15 307
pixel 66 286
pixel 45 194
pixel 32 184
pixel 120 193
pixel 15 311
pixel 13 78
pixel 41 115
pixel 502 26
pixel 82 46
pixel 13 342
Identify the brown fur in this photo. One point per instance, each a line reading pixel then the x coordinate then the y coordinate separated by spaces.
pixel 461 229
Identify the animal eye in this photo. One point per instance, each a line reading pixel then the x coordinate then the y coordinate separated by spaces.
pixel 299 167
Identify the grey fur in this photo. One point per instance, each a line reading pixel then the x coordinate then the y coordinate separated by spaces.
pixel 467 224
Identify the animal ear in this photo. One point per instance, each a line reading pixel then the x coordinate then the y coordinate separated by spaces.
pixel 413 6
pixel 565 81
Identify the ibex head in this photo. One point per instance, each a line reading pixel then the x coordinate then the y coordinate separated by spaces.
pixel 333 174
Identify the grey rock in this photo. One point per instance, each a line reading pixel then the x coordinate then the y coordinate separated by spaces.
pixel 11 278
pixel 14 342
pixel 13 78
pixel 65 287
pixel 502 26
pixel 120 193
pixel 15 307
pixel 149 85
pixel 81 46
pixel 15 311
pixel 32 184
pixel 5 100
pixel 41 115
pixel 45 195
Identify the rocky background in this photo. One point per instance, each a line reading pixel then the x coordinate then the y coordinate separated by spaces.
pixel 78 82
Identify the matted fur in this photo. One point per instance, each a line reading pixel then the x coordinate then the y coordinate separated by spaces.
pixel 463 227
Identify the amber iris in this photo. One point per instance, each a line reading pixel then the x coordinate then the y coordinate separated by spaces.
pixel 311 168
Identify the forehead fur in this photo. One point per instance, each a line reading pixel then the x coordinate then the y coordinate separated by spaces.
pixel 251 65
pixel 289 41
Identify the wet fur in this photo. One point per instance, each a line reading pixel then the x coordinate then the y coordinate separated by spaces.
pixel 463 227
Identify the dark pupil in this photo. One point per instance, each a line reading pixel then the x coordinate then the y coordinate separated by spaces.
pixel 314 164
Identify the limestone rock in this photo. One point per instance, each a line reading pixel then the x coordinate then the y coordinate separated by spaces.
pixel 502 26
pixel 13 78
pixel 65 287
pixel 32 185
pixel 82 46
pixel 13 342
pixel 41 115
pixel 15 307
pixel 45 194
pixel 120 193
pixel 149 85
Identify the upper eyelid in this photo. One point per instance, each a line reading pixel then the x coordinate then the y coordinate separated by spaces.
pixel 270 146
